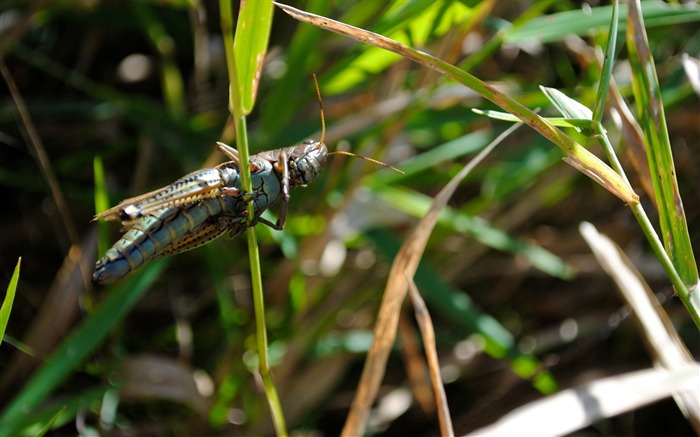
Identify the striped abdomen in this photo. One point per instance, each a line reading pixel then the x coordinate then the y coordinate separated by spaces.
pixel 169 231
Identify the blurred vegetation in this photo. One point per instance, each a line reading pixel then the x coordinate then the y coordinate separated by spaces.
pixel 513 289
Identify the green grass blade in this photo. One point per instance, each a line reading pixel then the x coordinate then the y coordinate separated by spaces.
pixel 248 56
pixel 6 308
pixel 250 45
pixel 556 27
pixel 647 92
pixel 101 204
pixel 75 348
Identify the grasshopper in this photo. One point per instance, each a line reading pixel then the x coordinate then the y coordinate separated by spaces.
pixel 205 204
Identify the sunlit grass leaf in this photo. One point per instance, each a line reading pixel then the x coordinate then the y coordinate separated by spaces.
pixel 6 308
pixel 664 344
pixel 250 46
pixel 567 106
pixel 413 23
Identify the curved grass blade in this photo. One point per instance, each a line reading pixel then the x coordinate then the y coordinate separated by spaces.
pixel 457 307
pixel 405 264
pixel 576 155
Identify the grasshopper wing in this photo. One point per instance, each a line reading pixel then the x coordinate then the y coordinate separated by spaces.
pixel 198 185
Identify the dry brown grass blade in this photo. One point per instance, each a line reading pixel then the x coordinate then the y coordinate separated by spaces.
pixel 665 346
pixel 416 364
pixel 573 409
pixel 405 263
pixel 37 149
pixel 426 327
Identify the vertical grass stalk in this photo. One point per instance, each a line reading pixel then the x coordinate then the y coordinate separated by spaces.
pixel 239 121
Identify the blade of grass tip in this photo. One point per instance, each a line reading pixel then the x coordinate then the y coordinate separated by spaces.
pixel 634 139
pixel 573 409
pixel 661 338
pixel 6 308
pixel 674 227
pixel 425 324
pixel 44 429
pixel 601 97
pixel 101 204
pixel 576 155
pixel 405 263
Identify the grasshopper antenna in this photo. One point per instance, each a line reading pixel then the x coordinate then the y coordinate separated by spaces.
pixel 320 105
pixel 337 152
pixel 341 152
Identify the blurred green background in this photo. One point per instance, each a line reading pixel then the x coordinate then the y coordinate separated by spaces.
pixel 143 86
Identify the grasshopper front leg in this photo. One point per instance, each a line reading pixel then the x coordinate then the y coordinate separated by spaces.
pixel 281 167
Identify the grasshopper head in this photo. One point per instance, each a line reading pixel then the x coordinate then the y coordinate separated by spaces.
pixel 306 162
